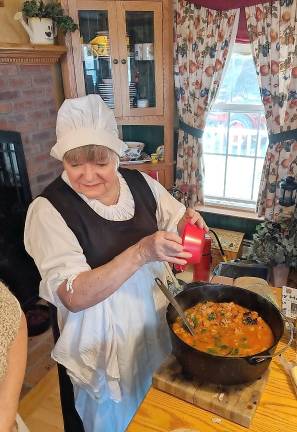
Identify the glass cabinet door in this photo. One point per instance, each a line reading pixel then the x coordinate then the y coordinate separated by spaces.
pixel 118 55
pixel 99 51
pixel 140 27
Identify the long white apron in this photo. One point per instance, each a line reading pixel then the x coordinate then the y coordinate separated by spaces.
pixel 134 318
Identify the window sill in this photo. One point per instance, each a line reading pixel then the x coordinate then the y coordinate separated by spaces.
pixel 239 213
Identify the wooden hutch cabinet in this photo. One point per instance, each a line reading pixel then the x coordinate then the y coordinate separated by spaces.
pixel 123 51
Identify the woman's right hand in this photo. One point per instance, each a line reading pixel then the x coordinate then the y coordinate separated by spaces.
pixel 163 246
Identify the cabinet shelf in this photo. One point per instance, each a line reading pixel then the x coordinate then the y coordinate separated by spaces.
pixel 164 170
pixel 147 166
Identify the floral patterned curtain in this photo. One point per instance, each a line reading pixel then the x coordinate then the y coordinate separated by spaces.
pixel 202 40
pixel 272 29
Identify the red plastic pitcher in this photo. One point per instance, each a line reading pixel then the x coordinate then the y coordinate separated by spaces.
pixel 193 240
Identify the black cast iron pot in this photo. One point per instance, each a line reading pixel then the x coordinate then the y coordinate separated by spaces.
pixel 218 369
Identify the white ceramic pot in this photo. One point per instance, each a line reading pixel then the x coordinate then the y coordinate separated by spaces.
pixel 142 103
pixel 148 51
pixel 40 30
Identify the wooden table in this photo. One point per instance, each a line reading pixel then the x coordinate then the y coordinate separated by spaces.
pixel 277 411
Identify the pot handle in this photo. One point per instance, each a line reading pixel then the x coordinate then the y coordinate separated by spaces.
pixel 259 359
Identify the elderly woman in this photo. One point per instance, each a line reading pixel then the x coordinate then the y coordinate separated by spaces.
pixel 13 356
pixel 99 235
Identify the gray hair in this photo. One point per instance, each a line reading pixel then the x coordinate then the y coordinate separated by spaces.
pixel 91 153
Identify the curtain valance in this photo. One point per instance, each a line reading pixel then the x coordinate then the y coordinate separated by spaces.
pixel 242 33
pixel 226 4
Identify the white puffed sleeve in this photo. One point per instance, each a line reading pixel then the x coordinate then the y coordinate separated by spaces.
pixel 56 251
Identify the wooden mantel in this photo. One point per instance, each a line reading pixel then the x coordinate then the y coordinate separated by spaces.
pixel 28 54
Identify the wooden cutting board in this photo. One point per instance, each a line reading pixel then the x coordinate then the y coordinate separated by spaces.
pixel 236 403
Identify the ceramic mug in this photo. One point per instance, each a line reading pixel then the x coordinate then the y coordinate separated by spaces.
pixel 148 51
pixel 142 103
pixel 138 51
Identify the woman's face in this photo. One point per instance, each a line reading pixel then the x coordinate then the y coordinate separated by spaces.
pixel 94 180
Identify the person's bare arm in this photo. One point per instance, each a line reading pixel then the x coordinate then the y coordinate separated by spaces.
pixel 11 384
pixel 93 286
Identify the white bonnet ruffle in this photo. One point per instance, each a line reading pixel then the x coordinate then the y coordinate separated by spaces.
pixel 84 121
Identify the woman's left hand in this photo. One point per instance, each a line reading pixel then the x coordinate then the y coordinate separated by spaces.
pixel 193 217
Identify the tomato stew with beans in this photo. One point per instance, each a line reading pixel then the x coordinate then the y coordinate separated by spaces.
pixel 225 329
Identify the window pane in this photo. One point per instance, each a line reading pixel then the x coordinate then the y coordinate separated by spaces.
pixel 214 175
pixel 258 174
pixel 263 137
pixel 243 130
pixel 240 83
pixel 215 133
pixel 239 177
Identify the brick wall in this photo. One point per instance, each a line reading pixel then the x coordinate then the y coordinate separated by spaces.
pixel 27 106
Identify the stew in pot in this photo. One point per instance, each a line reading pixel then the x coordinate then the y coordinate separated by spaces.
pixel 225 329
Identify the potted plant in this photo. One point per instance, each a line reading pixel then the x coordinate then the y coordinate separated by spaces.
pixel 275 244
pixel 43 20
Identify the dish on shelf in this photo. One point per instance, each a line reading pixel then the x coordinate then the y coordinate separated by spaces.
pixel 133 152
pixel 138 161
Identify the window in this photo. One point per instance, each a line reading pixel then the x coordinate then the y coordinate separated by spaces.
pixel 235 137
